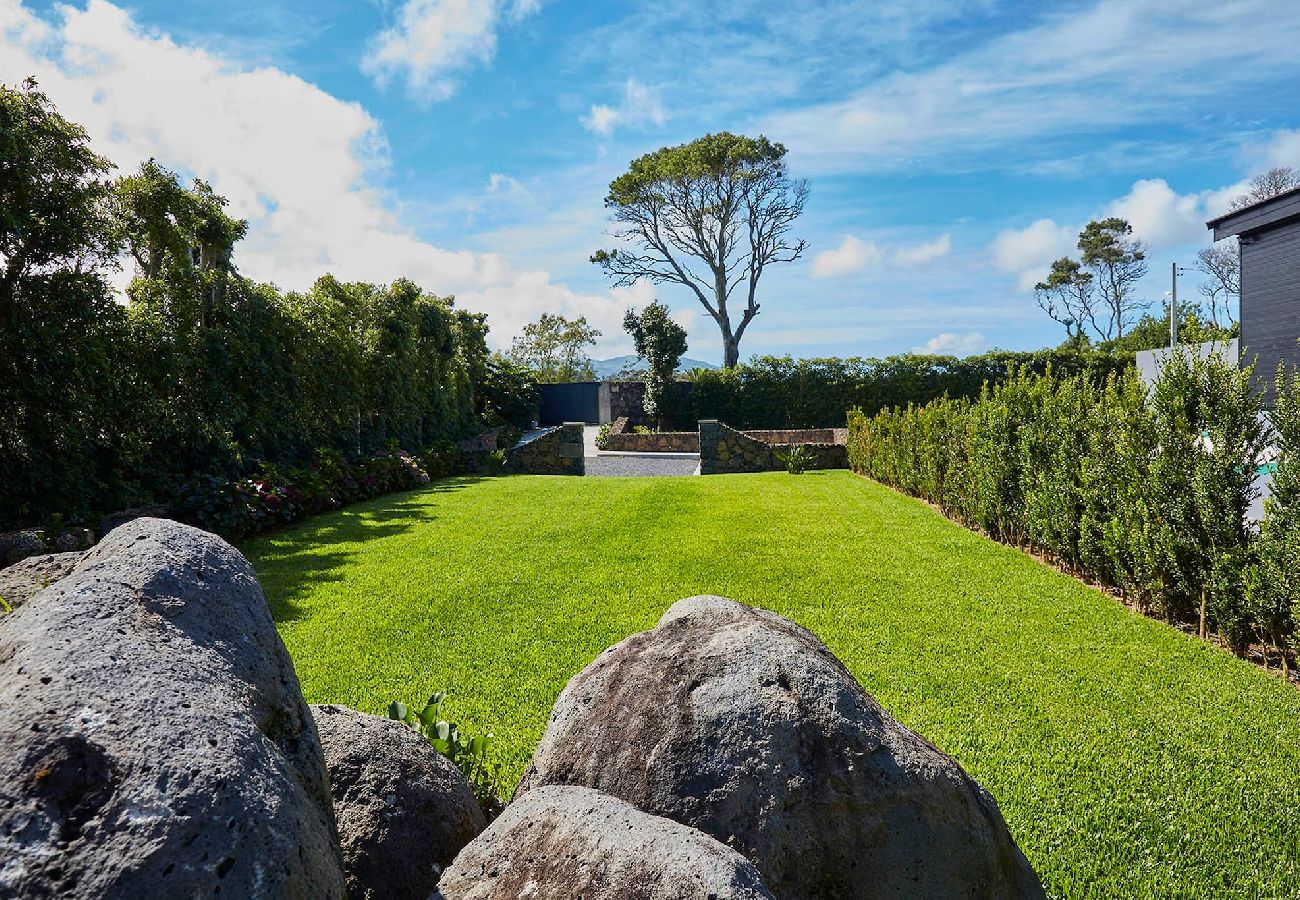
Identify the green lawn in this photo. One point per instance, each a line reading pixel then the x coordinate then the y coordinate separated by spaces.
pixel 1129 760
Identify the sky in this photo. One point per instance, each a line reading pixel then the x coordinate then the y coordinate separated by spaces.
pixel 954 147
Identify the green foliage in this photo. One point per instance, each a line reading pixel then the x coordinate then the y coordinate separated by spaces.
pixel 1145 493
pixel 1152 332
pixel 1274 588
pixel 602 436
pixel 189 390
pixel 554 349
pixel 781 392
pixel 796 459
pixel 469 754
pixel 661 342
pixel 508 394
pixel 1129 759
pixel 65 354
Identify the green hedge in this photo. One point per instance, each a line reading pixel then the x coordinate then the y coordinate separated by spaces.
pixel 1143 491
pixel 781 392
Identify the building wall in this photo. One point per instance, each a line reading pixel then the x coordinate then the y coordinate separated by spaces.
pixel 1270 298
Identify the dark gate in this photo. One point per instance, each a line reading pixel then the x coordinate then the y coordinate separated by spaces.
pixel 574 402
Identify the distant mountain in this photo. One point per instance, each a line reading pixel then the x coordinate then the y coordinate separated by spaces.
pixel 612 366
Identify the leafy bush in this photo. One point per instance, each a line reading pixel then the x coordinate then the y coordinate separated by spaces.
pixel 470 755
pixel 796 460
pixel 781 392
pixel 1144 491
pixel 602 436
pixel 272 496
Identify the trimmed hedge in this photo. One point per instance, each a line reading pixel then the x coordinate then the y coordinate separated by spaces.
pixel 781 392
pixel 1144 491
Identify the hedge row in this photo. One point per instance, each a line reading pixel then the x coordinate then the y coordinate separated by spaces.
pixel 1146 491
pixel 781 392
pixel 273 495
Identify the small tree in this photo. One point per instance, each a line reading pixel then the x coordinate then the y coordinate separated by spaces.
pixel 711 216
pixel 661 342
pixel 555 348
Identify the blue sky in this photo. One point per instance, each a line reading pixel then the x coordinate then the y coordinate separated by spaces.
pixel 954 148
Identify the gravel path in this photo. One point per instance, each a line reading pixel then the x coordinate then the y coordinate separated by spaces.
pixel 643 466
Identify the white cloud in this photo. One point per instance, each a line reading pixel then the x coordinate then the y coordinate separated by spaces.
pixel 1160 216
pixel 852 255
pixel 433 40
pixel 638 106
pixel 953 344
pixel 923 253
pixel 1028 252
pixel 855 255
pixel 1085 70
pixel 298 163
pixel 1283 149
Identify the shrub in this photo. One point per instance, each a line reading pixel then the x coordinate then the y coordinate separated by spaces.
pixel 1144 491
pixel 796 460
pixel 781 392
pixel 602 436
pixel 470 755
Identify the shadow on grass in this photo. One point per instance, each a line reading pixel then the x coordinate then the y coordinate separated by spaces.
pixel 312 552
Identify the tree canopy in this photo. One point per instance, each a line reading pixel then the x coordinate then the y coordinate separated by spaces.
pixel 710 216
pixel 1095 293
pixel 555 348
pixel 661 342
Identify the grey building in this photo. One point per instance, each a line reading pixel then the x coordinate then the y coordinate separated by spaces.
pixel 1269 235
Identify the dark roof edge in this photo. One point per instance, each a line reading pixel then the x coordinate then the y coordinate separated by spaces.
pixel 1254 207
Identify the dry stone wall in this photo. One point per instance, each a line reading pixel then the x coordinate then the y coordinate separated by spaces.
pixel 724 450
pixel 552 451
pixel 621 440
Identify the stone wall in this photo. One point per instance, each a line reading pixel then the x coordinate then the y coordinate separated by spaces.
pixel 622 440
pixel 626 399
pixel 550 451
pixel 481 443
pixel 802 436
pixel 724 450
pixel 824 456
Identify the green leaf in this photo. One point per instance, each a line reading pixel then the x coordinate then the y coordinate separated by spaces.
pixel 397 711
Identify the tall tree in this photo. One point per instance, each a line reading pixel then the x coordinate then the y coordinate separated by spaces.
pixel 661 342
pixel 63 351
pixel 1221 264
pixel 1066 295
pixel 1096 291
pixel 1266 185
pixel 710 216
pixel 555 348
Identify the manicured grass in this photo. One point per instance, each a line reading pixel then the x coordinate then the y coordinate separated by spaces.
pixel 1129 760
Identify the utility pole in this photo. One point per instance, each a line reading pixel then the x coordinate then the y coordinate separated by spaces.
pixel 1174 272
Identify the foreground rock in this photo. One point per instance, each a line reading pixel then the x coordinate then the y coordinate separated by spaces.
pixel 558 843
pixel 740 723
pixel 22 581
pixel 153 740
pixel 403 810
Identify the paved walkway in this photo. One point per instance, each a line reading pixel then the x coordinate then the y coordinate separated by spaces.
pixel 641 464
pixel 646 465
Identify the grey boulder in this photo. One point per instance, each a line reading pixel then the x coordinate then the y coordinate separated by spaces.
pixel 403 810
pixel 742 724
pixel 23 580
pixel 558 843
pixel 153 739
